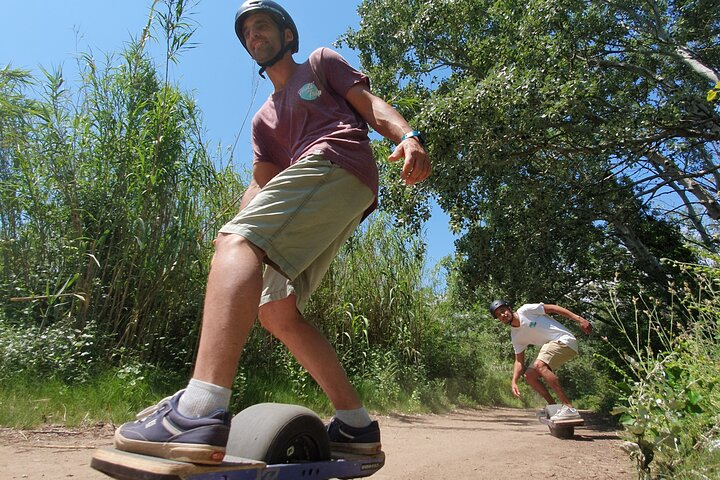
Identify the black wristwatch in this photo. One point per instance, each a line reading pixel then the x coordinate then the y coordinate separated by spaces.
pixel 416 134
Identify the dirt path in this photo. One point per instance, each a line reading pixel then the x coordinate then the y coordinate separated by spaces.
pixel 466 444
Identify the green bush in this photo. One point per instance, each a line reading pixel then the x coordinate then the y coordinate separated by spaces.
pixel 60 351
pixel 671 396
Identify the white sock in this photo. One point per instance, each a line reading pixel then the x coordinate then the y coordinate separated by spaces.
pixel 357 418
pixel 201 399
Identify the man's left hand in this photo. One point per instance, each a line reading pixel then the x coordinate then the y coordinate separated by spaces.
pixel 416 167
pixel 586 326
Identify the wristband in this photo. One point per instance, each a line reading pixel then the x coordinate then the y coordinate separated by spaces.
pixel 416 134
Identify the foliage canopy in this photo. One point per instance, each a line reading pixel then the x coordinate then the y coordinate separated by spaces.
pixel 572 141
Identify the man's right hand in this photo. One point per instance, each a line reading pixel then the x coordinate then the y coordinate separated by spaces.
pixel 515 390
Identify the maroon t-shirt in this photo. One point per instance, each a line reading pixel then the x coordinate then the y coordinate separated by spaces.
pixel 310 115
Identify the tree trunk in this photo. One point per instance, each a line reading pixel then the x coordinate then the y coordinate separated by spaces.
pixel 648 262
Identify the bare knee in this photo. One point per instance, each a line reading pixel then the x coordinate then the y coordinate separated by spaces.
pixel 231 247
pixel 531 374
pixel 268 321
pixel 542 369
pixel 280 316
pixel 265 316
pixel 229 241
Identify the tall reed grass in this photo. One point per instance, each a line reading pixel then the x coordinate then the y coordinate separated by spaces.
pixel 109 201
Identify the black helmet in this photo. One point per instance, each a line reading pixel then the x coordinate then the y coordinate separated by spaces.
pixel 278 13
pixel 497 304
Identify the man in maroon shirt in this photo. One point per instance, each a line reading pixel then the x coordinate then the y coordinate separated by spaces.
pixel 314 180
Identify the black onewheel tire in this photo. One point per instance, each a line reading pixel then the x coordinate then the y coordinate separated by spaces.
pixel 277 433
pixel 562 432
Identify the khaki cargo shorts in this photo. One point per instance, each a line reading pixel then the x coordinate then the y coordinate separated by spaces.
pixel 556 354
pixel 300 219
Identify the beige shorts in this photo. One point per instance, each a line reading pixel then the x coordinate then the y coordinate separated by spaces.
pixel 300 219
pixel 555 354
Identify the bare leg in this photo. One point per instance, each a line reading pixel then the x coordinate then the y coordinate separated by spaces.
pixel 552 380
pixel 231 306
pixel 311 349
pixel 533 379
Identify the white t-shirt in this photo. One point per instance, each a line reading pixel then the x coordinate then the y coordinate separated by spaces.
pixel 537 328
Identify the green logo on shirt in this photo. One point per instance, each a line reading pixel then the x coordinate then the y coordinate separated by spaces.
pixel 309 92
pixel 533 324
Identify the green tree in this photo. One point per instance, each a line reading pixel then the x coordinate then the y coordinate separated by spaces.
pixel 559 132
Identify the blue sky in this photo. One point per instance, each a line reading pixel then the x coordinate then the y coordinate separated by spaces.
pixel 217 71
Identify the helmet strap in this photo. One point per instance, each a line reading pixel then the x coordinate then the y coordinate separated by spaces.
pixel 281 53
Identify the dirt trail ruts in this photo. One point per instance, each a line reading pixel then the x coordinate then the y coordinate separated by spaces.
pixel 493 443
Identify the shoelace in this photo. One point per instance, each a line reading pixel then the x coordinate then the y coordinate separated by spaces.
pixel 154 408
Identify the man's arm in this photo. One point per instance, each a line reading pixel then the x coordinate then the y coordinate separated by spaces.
pixel 385 120
pixel 263 172
pixel 585 326
pixel 518 368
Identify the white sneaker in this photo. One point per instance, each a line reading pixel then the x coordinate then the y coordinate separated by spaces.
pixel 566 413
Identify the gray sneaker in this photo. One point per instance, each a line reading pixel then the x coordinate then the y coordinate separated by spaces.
pixel 566 413
pixel 161 431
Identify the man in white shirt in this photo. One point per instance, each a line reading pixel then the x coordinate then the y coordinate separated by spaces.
pixel 532 325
